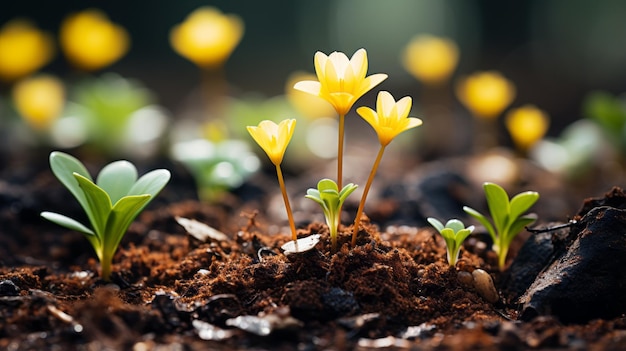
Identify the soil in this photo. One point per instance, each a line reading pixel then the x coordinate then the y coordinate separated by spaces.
pixel 170 290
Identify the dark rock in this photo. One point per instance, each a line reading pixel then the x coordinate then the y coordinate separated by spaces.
pixel 587 280
pixel 8 288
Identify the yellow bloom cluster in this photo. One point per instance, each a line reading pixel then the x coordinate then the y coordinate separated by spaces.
pixel 39 100
pixel 91 41
pixel 23 49
pixel 341 82
pixel 207 37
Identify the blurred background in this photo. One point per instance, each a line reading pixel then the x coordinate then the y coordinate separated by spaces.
pixel 565 59
pixel 555 51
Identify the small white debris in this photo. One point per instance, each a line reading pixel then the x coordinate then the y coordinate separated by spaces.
pixel 201 231
pixel 263 324
pixel 207 331
pixel 301 245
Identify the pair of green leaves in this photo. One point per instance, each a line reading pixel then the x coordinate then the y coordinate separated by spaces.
pixel 506 215
pixel 111 203
pixel 454 233
pixel 328 196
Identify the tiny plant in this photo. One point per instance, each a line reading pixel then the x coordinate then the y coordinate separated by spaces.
pixel 331 199
pixel 111 203
pixel 454 233
pixel 506 216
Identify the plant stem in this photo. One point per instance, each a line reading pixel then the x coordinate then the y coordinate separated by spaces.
pixel 342 119
pixel 359 212
pixel 292 224
pixel 105 265
pixel 502 252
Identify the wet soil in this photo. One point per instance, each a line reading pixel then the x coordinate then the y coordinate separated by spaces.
pixel 170 290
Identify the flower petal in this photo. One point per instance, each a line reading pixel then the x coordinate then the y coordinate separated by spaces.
pixel 309 86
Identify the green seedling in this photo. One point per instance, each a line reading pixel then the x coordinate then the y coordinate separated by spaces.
pixel 331 199
pixel 506 215
pixel 454 233
pixel 111 203
pixel 216 166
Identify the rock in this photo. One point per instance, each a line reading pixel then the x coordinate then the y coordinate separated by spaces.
pixel 586 280
pixel 484 286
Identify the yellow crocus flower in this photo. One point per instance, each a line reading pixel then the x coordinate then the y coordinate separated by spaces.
pixel 486 94
pixel 342 81
pixel 273 138
pixel 23 49
pixel 91 41
pixel 39 100
pixel 526 124
pixel 308 105
pixel 430 59
pixel 207 37
pixel 390 118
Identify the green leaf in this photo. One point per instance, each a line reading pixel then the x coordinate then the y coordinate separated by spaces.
pixel 98 204
pixel 151 183
pixel 64 166
pixel 120 218
pixel 455 225
pixel 327 184
pixel 498 202
pixel 518 226
pixel 522 202
pixel 435 223
pixel 346 191
pixel 117 178
pixel 67 222
pixel 483 220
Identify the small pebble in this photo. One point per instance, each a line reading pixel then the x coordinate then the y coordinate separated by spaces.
pixel 465 278
pixel 484 285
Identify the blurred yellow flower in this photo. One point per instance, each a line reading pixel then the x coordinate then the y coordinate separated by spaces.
pixel 430 59
pixel 486 94
pixel 39 100
pixel 23 49
pixel 527 125
pixel 307 105
pixel 91 41
pixel 390 118
pixel 342 81
pixel 207 37
pixel 273 138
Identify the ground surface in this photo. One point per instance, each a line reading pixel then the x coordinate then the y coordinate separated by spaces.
pixel 394 289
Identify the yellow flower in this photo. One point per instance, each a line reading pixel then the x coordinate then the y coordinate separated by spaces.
pixel 390 118
pixel 39 100
pixel 207 37
pixel 273 138
pixel 342 81
pixel 91 42
pixel 431 59
pixel 526 125
pixel 308 105
pixel 486 94
pixel 23 49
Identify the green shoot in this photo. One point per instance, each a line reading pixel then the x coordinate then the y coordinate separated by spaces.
pixel 454 233
pixel 328 196
pixel 506 215
pixel 111 203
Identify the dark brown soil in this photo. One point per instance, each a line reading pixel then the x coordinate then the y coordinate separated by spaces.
pixel 394 289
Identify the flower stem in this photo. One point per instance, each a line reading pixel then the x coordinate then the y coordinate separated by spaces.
pixel 292 224
pixel 342 119
pixel 359 212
